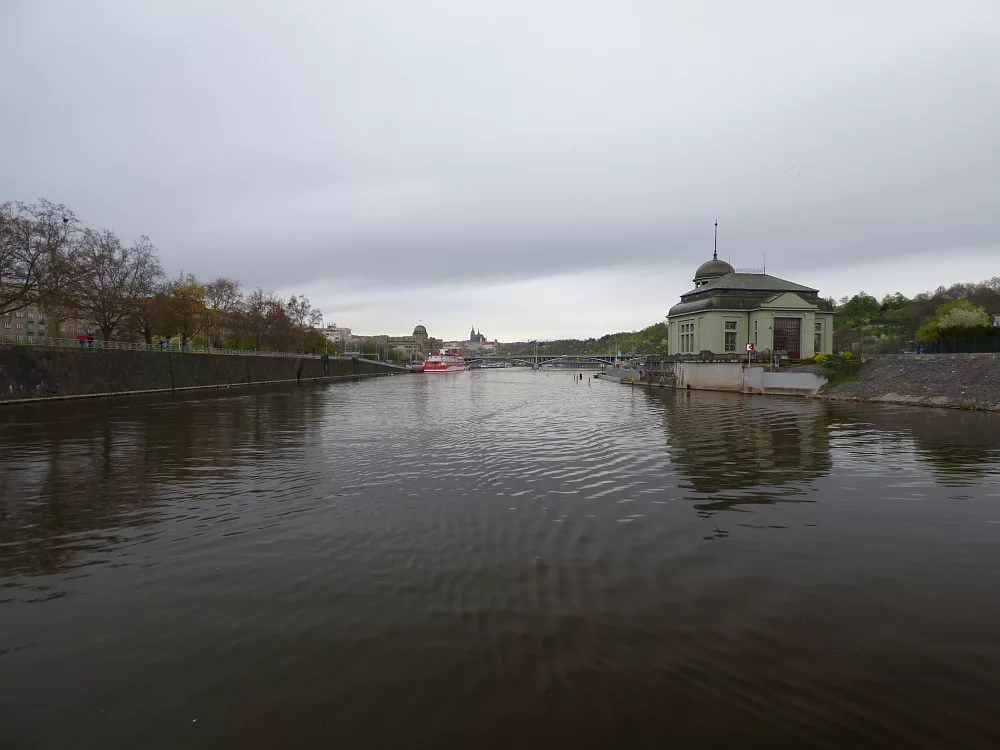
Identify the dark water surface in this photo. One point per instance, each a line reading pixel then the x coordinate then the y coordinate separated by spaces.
pixel 498 559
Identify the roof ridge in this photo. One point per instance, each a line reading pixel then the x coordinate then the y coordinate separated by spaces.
pixel 760 282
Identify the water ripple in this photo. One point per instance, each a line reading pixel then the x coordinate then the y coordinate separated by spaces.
pixel 498 559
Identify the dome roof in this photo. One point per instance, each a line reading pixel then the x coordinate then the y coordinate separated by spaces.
pixel 712 269
pixel 418 330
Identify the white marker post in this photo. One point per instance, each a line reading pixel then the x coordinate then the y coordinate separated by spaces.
pixel 749 352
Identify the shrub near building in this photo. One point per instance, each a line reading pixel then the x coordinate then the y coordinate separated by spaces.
pixel 838 368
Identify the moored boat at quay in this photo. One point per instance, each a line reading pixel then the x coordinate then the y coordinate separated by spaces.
pixel 444 362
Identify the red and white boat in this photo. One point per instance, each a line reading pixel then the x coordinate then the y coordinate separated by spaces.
pixel 444 362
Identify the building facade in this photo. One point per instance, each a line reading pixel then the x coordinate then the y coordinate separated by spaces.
pixel 31 319
pixel 34 322
pixel 28 321
pixel 727 310
pixel 417 345
pixel 338 335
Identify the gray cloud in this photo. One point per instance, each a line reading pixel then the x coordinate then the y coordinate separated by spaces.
pixel 405 144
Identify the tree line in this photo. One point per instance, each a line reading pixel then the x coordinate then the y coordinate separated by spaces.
pixel 649 340
pixel 50 261
pixel 960 311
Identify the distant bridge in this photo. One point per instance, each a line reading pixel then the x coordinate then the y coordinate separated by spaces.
pixel 546 360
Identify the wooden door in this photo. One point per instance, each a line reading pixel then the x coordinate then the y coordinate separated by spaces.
pixel 788 336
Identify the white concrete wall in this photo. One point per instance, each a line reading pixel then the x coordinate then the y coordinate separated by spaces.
pixel 791 382
pixel 733 376
pixel 718 376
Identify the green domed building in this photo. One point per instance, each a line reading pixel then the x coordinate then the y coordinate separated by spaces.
pixel 727 309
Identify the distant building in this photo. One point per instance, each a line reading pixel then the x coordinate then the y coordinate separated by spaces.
pixel 34 321
pixel 418 344
pixel 996 320
pixel 338 335
pixel 475 337
pixel 478 344
pixel 28 321
pixel 726 310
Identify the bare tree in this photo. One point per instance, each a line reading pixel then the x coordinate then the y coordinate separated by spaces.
pixel 302 316
pixel 59 232
pixel 238 324
pixel 37 249
pixel 222 297
pixel 20 263
pixel 114 278
pixel 263 312
pixel 302 313
pixel 147 316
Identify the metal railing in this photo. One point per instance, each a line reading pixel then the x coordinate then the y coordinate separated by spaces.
pixel 165 346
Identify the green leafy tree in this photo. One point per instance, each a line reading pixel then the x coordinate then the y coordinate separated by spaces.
pixel 860 310
pixel 184 308
pixel 315 342
pixel 964 318
pixel 895 301
pixel 955 319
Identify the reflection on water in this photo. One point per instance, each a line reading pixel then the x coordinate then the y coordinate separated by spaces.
pixel 77 468
pixel 739 451
pixel 497 559
pixel 959 447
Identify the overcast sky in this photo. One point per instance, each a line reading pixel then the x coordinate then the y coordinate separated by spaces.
pixel 538 169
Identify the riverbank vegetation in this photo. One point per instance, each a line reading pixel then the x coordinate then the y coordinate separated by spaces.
pixel 961 312
pixel 649 340
pixel 837 368
pixel 74 278
pixel 862 324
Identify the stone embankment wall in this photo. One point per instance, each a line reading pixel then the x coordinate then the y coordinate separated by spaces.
pixel 28 373
pixel 968 381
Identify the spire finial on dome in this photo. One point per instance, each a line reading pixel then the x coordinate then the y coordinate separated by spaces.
pixel 715 253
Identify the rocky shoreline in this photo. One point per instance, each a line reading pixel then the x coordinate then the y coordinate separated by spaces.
pixel 956 381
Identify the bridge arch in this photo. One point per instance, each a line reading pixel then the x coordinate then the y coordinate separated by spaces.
pixel 541 359
pixel 573 358
pixel 487 360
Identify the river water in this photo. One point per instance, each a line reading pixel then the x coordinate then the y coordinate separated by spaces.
pixel 497 559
